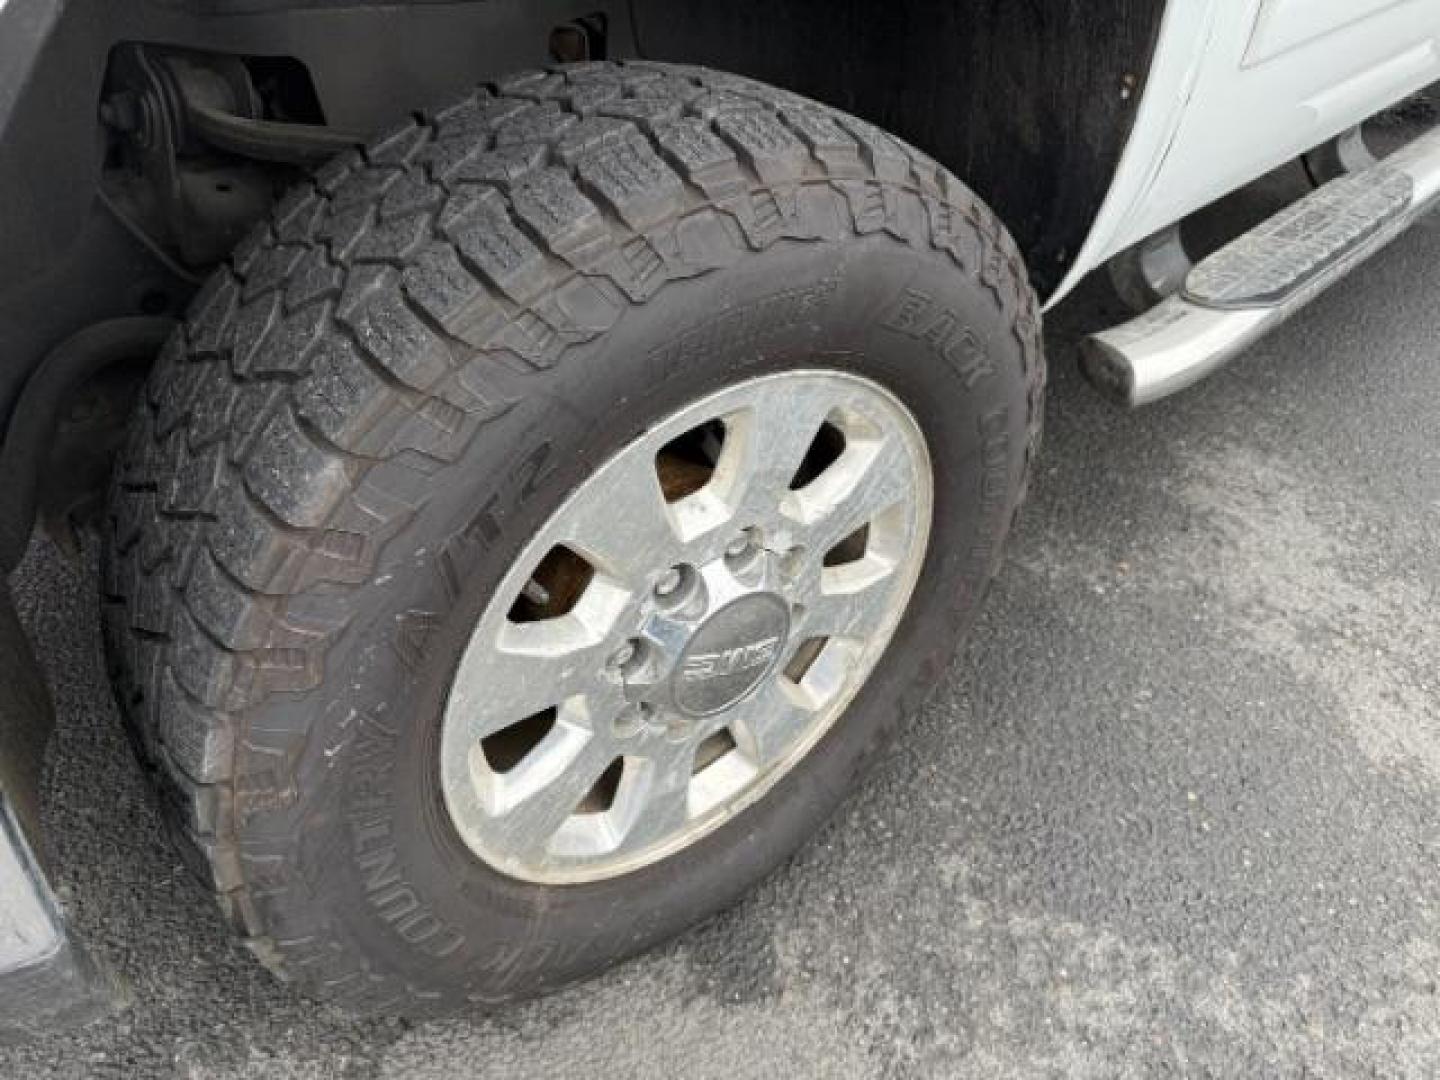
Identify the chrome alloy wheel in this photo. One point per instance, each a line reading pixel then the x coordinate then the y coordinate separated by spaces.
pixel 686 626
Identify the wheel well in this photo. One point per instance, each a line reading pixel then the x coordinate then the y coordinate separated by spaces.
pixel 120 199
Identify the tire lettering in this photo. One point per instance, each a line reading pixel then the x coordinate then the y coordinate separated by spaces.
pixel 369 796
pixel 744 328
pixel 922 318
pixel 536 470
pixel 483 530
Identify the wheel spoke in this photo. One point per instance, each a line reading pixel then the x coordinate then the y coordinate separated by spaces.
pixel 770 438
pixel 766 726
pixel 619 521
pixel 547 794
pixel 496 687
pixel 652 801
pixel 852 613
pixel 869 478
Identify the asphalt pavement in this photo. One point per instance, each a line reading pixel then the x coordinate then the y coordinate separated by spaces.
pixel 1174 811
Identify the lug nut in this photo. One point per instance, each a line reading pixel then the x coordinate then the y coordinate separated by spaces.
pixel 630 722
pixel 623 655
pixel 669 582
pixel 792 563
pixel 739 546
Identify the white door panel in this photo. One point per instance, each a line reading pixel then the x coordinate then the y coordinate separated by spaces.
pixel 1243 121
pixel 1238 87
pixel 1284 24
pixel 1246 117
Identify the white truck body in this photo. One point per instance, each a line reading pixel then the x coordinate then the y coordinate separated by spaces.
pixel 1273 79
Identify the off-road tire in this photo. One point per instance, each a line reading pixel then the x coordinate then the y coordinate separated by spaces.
pixel 401 371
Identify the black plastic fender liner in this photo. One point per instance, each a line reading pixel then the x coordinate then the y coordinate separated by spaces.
pixel 64 369
pixel 372 62
pixel 1029 102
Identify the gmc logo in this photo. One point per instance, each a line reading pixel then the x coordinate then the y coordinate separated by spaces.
pixel 704 666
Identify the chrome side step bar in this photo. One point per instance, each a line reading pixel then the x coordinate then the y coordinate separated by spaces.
pixel 1251 286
